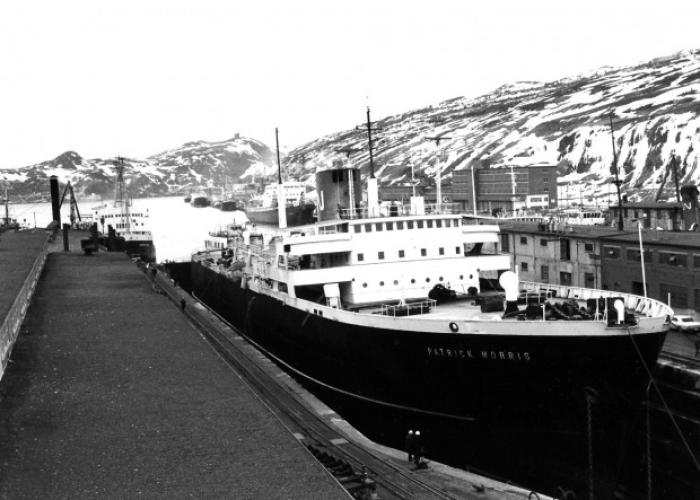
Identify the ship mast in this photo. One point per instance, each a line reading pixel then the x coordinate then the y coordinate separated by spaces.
pixel 120 199
pixel 617 181
pixel 281 201
pixel 7 207
pixel 372 187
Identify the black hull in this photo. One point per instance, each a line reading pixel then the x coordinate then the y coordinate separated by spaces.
pixel 542 395
pixel 200 202
pixel 299 215
pixel 228 206
pixel 144 249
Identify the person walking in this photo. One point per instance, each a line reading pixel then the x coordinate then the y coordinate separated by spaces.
pixel 417 448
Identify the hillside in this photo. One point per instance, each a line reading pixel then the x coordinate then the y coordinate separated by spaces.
pixel 656 114
pixel 566 123
pixel 191 167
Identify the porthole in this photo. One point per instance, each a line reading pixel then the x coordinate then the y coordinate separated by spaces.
pixel 413 280
pixel 364 285
pixel 440 278
pixel 396 282
pixel 427 280
pixel 461 276
pixel 471 276
pixel 381 283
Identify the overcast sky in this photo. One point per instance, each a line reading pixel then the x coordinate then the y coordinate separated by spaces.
pixel 138 77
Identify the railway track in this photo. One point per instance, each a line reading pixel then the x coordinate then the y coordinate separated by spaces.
pixel 359 470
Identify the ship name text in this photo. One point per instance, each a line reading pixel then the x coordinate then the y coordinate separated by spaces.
pixel 443 352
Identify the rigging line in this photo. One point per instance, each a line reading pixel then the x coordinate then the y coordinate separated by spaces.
pixel 663 400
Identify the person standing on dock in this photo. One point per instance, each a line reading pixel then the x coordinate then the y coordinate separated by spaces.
pixel 409 445
pixel 417 448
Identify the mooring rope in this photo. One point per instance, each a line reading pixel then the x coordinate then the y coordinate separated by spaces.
pixel 652 381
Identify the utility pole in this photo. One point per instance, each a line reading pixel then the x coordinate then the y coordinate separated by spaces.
pixel 617 181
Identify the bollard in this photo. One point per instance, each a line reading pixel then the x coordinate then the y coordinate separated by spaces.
pixel 66 227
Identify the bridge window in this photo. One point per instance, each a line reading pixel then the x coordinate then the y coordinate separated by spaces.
pixel 389 226
pixel 368 228
pixel 379 226
pixel 399 225
pixel 357 228
pixel 419 224
pixel 457 250
pixel 423 252
pixel 380 255
pixel 409 224
pixel 360 257
pixel 401 254
pixel 438 223
pixel 430 223
pixel 441 251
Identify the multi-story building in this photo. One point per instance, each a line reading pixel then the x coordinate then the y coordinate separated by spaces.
pixel 567 255
pixel 605 258
pixel 671 264
pixel 652 215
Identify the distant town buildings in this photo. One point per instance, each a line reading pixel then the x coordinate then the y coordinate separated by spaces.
pixel 652 215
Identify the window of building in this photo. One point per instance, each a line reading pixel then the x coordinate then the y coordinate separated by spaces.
pixel 543 242
pixel 423 252
pixel 611 252
pixel 523 240
pixel 637 288
pixel 438 223
pixel 441 251
pixel 399 225
pixel 429 223
pixel 564 249
pixel 565 278
pixel 389 226
pixel 380 255
pixel 544 270
pixel 419 224
pixel 360 257
pixel 673 259
pixel 589 279
pixel 696 299
pixel 505 243
pixel 368 228
pixel 634 255
pixel 379 226
pixel 401 254
pixel 523 267
pixel 588 247
pixel 696 261
pixel 457 250
pixel 409 224
pixel 357 228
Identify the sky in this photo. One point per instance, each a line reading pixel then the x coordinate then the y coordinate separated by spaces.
pixel 133 78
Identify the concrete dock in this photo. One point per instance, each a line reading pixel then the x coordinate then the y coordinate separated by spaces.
pixel 110 393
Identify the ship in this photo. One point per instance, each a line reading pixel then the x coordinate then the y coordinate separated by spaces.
pixel 291 194
pixel 200 201
pixel 125 227
pixel 418 311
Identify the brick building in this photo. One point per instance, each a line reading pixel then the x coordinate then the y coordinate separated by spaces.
pixel 668 216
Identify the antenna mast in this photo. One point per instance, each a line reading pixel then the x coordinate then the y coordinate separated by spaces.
pixel 279 164
pixel 617 181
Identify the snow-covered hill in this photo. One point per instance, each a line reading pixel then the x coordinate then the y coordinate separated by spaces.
pixel 191 167
pixel 656 109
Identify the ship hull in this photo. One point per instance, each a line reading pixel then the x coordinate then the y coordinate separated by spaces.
pixel 550 387
pixel 228 206
pixel 298 215
pixel 143 249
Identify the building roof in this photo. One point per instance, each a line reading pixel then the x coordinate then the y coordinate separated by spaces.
pixel 653 237
pixel 650 204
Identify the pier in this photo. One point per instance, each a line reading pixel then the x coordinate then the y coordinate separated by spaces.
pixel 121 385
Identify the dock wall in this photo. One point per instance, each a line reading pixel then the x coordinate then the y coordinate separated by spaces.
pixel 15 316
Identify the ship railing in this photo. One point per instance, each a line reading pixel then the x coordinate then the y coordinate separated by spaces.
pixel 409 308
pixel 641 305
pixel 396 209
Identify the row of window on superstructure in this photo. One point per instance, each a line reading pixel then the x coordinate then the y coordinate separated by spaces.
pixel 381 255
pixel 400 225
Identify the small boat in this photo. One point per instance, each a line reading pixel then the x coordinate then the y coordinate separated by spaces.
pixel 200 201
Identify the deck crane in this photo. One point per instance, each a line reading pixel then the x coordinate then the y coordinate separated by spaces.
pixel 74 212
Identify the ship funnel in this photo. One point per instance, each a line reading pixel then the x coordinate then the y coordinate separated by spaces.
pixel 339 192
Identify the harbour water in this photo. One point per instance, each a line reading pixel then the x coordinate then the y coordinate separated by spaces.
pixel 178 228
